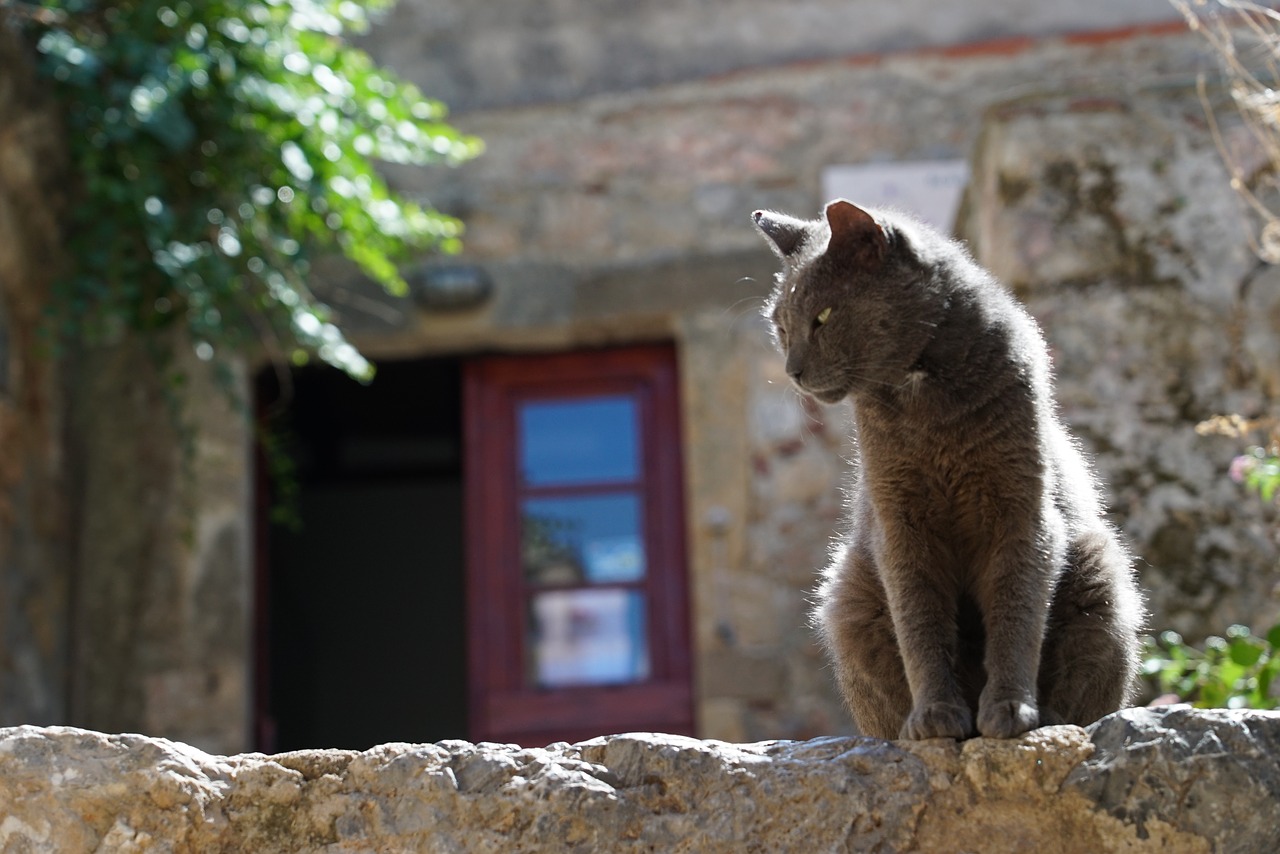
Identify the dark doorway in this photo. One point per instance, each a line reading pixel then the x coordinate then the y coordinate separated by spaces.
pixel 361 607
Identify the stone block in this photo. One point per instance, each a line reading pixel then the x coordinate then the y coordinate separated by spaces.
pixel 1142 780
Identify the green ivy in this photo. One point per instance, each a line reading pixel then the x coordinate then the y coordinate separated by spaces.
pixel 1236 671
pixel 219 144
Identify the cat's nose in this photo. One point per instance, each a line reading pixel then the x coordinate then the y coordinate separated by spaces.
pixel 796 360
pixel 795 365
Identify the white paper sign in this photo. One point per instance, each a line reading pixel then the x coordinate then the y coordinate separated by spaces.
pixel 929 189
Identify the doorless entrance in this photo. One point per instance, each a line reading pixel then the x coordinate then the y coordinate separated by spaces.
pixel 360 631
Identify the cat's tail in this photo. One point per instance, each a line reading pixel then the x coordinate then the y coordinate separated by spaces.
pixel 1091 655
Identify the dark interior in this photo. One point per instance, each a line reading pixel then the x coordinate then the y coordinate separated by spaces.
pixel 361 634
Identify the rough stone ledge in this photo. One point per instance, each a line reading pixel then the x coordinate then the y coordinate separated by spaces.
pixel 1171 780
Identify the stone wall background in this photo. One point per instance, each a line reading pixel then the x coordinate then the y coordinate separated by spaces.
pixel 161 563
pixel 1114 220
pixel 124 558
pixel 34 585
pixel 536 51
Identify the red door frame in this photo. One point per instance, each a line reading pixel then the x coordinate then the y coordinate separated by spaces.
pixel 501 706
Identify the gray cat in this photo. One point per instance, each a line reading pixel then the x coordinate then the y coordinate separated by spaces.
pixel 978 582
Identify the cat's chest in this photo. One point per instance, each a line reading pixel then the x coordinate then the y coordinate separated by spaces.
pixel 933 480
pixel 947 480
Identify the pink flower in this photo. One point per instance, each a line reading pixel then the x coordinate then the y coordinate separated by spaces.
pixel 1241 466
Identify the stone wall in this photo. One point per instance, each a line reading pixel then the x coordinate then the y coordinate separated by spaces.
pixel 473 55
pixel 124 553
pixel 34 583
pixel 162 566
pixel 1113 218
pixel 1140 781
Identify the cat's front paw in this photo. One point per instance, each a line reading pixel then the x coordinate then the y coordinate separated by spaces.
pixel 938 720
pixel 1008 717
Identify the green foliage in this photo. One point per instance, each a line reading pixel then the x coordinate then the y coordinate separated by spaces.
pixel 1236 671
pixel 1240 669
pixel 217 145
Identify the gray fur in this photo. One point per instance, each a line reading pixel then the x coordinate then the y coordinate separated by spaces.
pixel 978 589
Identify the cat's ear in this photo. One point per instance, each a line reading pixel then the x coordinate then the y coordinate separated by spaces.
pixel 856 232
pixel 785 233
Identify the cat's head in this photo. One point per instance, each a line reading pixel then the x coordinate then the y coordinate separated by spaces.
pixel 847 311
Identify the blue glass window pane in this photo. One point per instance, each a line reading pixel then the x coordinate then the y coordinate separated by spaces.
pixel 582 440
pixel 582 539
pixel 587 637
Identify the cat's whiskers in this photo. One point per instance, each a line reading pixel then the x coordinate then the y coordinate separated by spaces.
pixel 810 417
pixel 888 402
pixel 913 383
pixel 738 309
pixel 748 308
pixel 868 375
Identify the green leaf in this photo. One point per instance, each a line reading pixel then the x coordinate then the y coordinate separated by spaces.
pixel 1266 677
pixel 1245 652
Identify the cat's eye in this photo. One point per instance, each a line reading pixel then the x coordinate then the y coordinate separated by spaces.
pixel 822 317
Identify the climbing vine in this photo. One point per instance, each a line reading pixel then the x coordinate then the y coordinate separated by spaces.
pixel 219 145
